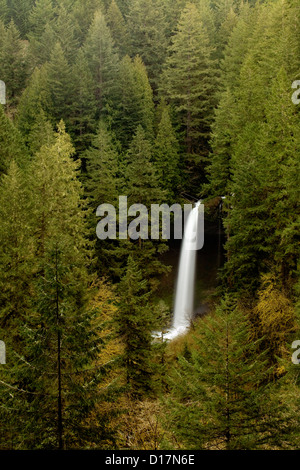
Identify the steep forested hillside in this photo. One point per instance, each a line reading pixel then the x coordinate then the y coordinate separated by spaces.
pixel 164 102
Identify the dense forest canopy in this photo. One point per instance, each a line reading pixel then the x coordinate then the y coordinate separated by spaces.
pixel 164 101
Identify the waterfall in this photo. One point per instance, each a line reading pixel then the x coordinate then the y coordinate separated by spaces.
pixel 184 297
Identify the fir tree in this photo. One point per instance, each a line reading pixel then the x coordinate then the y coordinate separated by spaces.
pixel 17 271
pixel 102 168
pixel 83 107
pixel 102 57
pixel 65 33
pixel 17 249
pixel 118 28
pixel 261 211
pixel 41 14
pixel 147 32
pixel 135 323
pixel 141 176
pixel 133 101
pixel 41 133
pixel 142 187
pixel 11 144
pixel 59 340
pixel 13 65
pixel 145 97
pixel 3 10
pixel 60 85
pixel 20 13
pixel 220 397
pixel 166 155
pixel 82 15
pixel 41 46
pixel 189 81
pixel 35 100
pixel 224 130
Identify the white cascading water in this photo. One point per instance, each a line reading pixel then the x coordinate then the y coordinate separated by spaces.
pixel 184 298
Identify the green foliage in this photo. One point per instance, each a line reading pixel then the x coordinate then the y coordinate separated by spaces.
pixel 166 155
pixel 20 13
pixel 11 144
pixel 59 85
pixel 41 14
pixel 3 10
pixel 133 100
pixel 50 323
pixel 100 52
pixel 221 398
pixel 189 82
pixel 35 99
pixel 140 184
pixel 102 168
pixel 13 63
pixel 135 323
pixel 275 315
pixel 83 104
pixel 261 210
pixel 146 24
pixel 161 100
pixel 65 33
pixel 118 28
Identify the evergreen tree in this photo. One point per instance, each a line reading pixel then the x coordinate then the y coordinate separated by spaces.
pixel 145 97
pixel 126 113
pixel 139 182
pixel 221 398
pixel 2 32
pixel 60 85
pixel 17 249
pixel 41 14
pixel 226 28
pixel 83 107
pixel 102 57
pixel 208 20
pixel 13 64
pixel 60 338
pixel 261 209
pixel 147 26
pixel 102 187
pixel 102 168
pixel 133 102
pixel 41 133
pixel 135 323
pixel 11 144
pixel 34 100
pixel 118 28
pixel 17 268
pixel 82 14
pixel 189 81
pixel 142 187
pixel 20 13
pixel 224 130
pixel 166 155
pixel 3 10
pixel 140 175
pixel 172 10
pixel 65 33
pixel 41 46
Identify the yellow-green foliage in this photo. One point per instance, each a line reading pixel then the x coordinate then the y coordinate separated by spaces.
pixel 139 425
pixel 275 314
